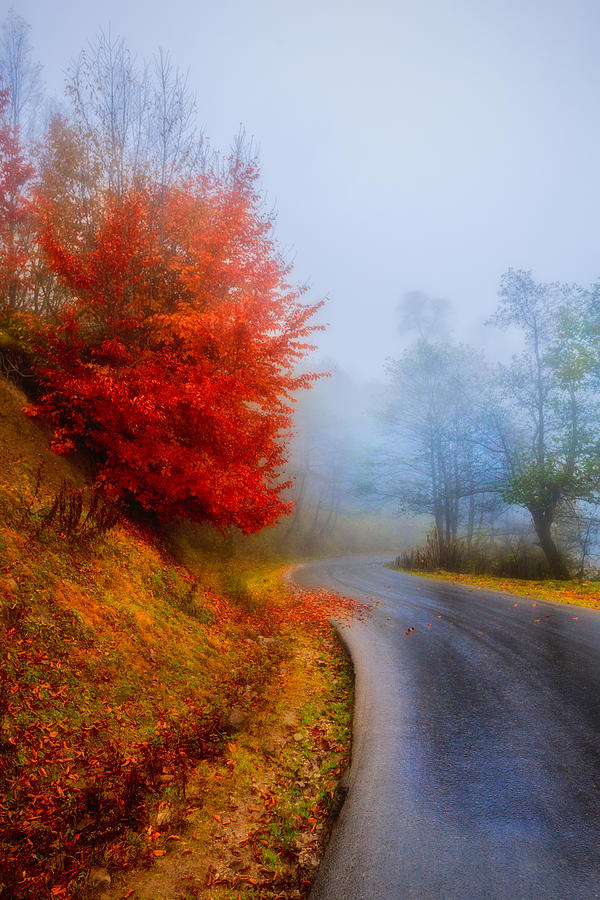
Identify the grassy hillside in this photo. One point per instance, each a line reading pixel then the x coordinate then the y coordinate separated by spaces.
pixel 171 708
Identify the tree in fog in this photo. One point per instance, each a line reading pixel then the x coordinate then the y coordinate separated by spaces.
pixel 429 317
pixel 437 458
pixel 552 457
pixel 325 461
pixel 20 99
pixel 16 174
pixel 136 120
pixel 20 75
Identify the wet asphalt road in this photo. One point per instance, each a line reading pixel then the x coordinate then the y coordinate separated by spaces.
pixel 476 758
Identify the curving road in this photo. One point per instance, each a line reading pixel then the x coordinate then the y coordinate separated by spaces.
pixel 476 757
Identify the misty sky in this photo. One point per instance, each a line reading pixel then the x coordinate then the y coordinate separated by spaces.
pixel 424 145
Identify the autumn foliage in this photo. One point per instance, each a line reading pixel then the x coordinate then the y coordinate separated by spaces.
pixel 15 228
pixel 141 288
pixel 173 354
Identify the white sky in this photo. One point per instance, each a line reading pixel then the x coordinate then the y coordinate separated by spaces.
pixel 407 145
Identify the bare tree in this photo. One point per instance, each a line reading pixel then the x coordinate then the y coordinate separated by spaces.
pixel 21 75
pixel 138 119
pixel 428 316
pixel 438 457
pixel 175 145
pixel 110 105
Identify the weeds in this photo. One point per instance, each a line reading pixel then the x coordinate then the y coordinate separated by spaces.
pixel 79 515
pixel 519 561
pixel 182 593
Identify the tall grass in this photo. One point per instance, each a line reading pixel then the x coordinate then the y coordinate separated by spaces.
pixel 484 557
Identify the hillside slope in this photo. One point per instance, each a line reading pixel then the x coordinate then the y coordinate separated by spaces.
pixel 137 701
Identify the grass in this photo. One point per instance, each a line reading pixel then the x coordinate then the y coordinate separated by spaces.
pixel 586 593
pixel 123 660
pixel 259 816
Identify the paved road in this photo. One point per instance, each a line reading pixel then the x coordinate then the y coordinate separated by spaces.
pixel 476 757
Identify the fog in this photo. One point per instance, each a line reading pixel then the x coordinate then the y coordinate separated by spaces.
pixel 406 146
pixel 414 152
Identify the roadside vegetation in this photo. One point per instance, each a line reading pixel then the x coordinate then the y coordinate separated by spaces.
pixel 148 690
pixel 164 694
pixel 517 569
pixel 503 459
pixel 586 593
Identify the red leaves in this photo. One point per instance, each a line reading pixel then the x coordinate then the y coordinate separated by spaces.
pixel 82 782
pixel 15 231
pixel 176 361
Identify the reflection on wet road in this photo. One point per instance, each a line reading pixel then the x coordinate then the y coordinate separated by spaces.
pixel 476 755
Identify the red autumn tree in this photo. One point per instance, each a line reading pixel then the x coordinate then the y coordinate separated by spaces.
pixel 176 361
pixel 15 228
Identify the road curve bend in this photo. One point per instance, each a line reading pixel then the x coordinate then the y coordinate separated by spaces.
pixel 476 752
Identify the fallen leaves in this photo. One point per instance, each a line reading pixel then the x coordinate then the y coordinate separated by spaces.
pixel 81 770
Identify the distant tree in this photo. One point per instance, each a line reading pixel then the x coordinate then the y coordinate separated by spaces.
pixel 435 459
pixel 553 457
pixel 428 316
pixel 325 460
pixel 578 333
pixel 16 173
pixel 20 75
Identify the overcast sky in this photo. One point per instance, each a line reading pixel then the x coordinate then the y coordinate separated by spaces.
pixel 424 145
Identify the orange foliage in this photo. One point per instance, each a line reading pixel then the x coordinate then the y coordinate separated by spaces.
pixel 15 173
pixel 78 785
pixel 176 360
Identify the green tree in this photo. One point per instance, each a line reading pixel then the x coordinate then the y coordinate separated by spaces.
pixel 552 454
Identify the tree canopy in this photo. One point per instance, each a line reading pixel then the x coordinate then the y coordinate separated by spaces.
pixel 146 281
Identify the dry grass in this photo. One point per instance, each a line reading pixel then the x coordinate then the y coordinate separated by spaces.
pixel 585 593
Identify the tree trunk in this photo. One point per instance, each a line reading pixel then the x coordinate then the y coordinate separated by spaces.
pixel 556 563
pixel 471 520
